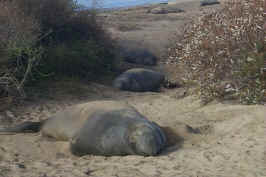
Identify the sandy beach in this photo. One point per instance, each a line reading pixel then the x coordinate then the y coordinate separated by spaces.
pixel 231 142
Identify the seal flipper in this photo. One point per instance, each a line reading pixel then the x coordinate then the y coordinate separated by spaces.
pixel 25 127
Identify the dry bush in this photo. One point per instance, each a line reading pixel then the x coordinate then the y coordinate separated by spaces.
pixel 75 43
pixel 44 38
pixel 55 17
pixel 18 54
pixel 224 52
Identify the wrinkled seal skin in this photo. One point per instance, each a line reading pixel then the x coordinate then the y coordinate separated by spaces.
pixel 139 80
pixel 101 128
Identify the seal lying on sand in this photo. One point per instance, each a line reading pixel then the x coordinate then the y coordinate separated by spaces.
pixel 139 80
pixel 139 56
pixel 101 128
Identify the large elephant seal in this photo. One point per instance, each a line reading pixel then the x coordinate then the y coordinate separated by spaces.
pixel 102 128
pixel 139 80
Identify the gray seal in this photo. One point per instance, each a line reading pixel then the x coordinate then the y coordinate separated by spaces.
pixel 139 80
pixel 101 128
pixel 139 56
pixel 208 2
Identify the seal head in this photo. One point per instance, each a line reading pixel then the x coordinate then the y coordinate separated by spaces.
pixel 147 140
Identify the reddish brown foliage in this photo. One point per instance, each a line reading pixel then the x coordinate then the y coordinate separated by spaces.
pixel 227 45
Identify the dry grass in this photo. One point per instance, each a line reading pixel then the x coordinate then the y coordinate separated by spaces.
pixel 225 52
pixel 18 35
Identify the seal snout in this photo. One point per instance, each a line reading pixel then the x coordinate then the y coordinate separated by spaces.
pixel 149 141
pixel 148 146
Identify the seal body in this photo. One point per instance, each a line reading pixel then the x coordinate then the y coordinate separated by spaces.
pixel 106 128
pixel 208 2
pixel 139 56
pixel 139 80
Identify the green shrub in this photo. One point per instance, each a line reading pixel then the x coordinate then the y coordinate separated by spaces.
pixel 62 20
pixel 253 69
pixel 80 58
pixel 75 43
pixel 40 38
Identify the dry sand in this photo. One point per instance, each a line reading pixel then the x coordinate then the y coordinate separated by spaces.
pixel 231 144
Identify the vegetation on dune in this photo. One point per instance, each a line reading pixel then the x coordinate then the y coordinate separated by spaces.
pixel 224 52
pixel 40 38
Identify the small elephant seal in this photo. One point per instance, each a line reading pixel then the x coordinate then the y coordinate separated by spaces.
pixel 139 56
pixel 208 2
pixel 102 128
pixel 139 80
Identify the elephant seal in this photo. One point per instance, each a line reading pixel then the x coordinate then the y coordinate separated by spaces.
pixel 139 56
pixel 208 2
pixel 139 80
pixel 165 10
pixel 102 128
